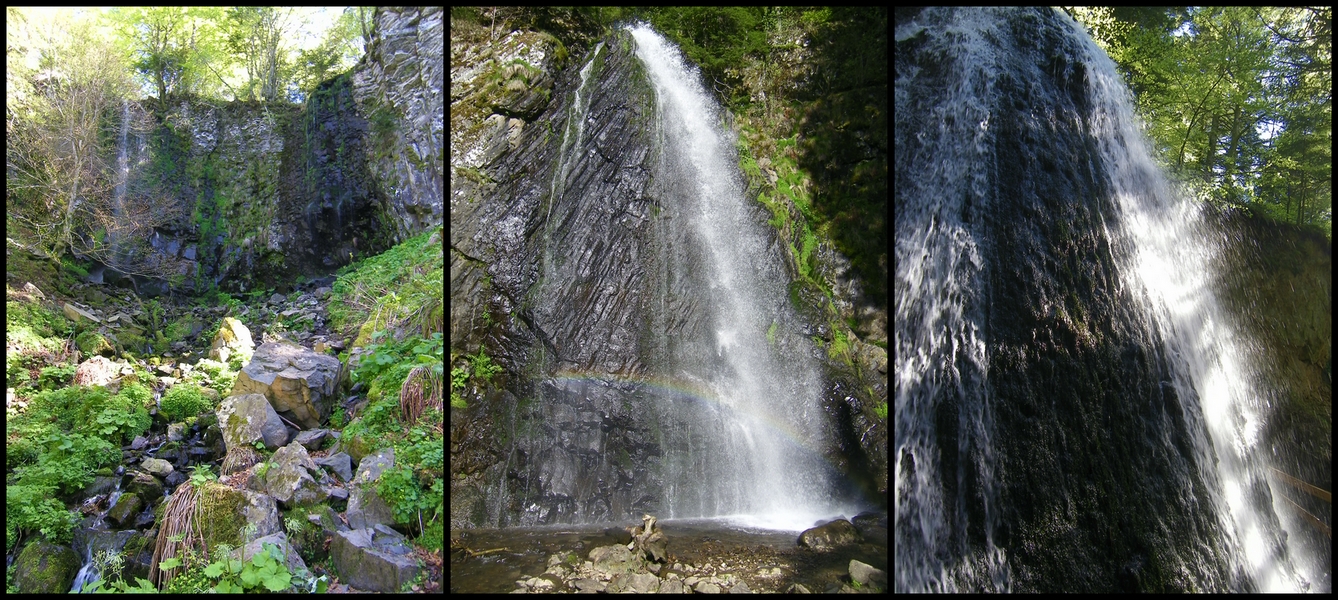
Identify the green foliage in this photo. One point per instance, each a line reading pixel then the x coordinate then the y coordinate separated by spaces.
pixel 840 346
pixel 881 411
pixel 65 465
pixel 337 418
pixel 202 475
pixel 717 38
pixel 73 268
pixel 483 366
pixel 414 486
pixel 178 328
pixel 266 569
pixel 55 376
pixel 184 400
pixel 771 333
pixel 401 285
pixel 35 508
pixel 388 364
pixel 213 374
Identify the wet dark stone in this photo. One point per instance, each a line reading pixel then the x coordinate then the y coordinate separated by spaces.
pixel 1070 374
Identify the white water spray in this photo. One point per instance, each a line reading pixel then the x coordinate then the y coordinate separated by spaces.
pixel 1174 265
pixel 752 459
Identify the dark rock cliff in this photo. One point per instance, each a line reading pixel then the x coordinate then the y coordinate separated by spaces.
pixel 1050 418
pixel 580 286
pixel 274 191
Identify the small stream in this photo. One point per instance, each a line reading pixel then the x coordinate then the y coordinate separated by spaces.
pixel 95 534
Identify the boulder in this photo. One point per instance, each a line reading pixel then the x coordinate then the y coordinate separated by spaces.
pixel 95 371
pixel 244 420
pixel 156 467
pixel 373 559
pixel 325 517
pixel 366 508
pixel 232 338
pixel 872 526
pixel 312 439
pixel 45 568
pixel 146 486
pixel 826 537
pixel 615 559
pixel 122 514
pixel 76 314
pixel 301 384
pixel 225 512
pixel 339 463
pixel 867 575
pixel 290 481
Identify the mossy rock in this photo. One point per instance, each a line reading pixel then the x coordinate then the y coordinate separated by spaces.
pixel 93 343
pixel 225 512
pixel 356 446
pixel 45 568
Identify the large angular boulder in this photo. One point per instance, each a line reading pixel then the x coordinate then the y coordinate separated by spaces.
pixel 341 464
pixel 45 568
pixel 95 371
pixel 245 420
pixel 146 486
pixel 374 559
pixel 366 508
pixel 233 338
pixel 290 481
pixel 159 468
pixel 301 384
pixel 76 314
pixel 614 559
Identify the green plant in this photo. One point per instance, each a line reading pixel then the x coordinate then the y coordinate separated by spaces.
pixel 771 333
pixel 881 411
pixel 483 366
pixel 55 376
pixel 184 400
pixel 201 475
pixel 337 418
pixel 266 569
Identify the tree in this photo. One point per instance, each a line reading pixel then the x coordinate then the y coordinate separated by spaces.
pixel 61 188
pixel 255 35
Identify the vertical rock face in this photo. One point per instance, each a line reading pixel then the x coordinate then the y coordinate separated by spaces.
pixel 276 190
pixel 398 88
pixel 552 238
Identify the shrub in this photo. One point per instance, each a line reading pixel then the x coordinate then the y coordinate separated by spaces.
pixel 56 377
pixel 184 400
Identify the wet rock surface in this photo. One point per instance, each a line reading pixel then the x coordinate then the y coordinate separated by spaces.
pixel 572 272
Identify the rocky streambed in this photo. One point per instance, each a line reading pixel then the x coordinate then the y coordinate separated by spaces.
pixel 704 556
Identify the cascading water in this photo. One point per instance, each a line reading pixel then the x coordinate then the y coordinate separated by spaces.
pixel 572 136
pixel 122 174
pixel 1074 410
pixel 749 453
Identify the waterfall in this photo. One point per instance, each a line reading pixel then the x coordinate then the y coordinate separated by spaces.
pixel 573 133
pixel 1074 409
pixel 748 451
